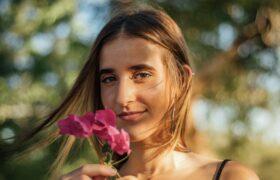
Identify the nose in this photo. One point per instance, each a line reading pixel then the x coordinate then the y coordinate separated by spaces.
pixel 125 92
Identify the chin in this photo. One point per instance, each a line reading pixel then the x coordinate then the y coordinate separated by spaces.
pixel 137 130
pixel 135 135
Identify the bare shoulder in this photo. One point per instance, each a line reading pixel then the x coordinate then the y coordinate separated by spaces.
pixel 235 170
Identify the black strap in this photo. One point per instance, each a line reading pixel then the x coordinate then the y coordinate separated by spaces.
pixel 219 171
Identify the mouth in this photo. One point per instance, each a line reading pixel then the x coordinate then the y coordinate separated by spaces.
pixel 131 116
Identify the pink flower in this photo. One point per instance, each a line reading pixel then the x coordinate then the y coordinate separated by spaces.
pixel 118 140
pixel 103 119
pixel 77 126
pixel 102 123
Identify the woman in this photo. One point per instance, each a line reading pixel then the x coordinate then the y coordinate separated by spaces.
pixel 139 67
pixel 145 78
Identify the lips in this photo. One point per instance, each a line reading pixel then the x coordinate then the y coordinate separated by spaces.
pixel 131 115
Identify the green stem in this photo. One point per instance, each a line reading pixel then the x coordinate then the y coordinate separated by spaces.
pixel 109 163
pixel 120 160
pixel 100 142
pixel 117 174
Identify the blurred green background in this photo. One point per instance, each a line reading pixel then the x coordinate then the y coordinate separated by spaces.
pixel 235 47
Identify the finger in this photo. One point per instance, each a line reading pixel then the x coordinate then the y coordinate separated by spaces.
pixel 92 170
pixel 99 178
pixel 127 178
pixel 81 177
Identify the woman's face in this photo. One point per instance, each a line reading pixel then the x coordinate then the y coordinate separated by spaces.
pixel 133 79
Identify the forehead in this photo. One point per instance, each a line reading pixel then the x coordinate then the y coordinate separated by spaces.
pixel 127 51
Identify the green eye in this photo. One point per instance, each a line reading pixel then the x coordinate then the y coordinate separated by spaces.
pixel 108 79
pixel 142 75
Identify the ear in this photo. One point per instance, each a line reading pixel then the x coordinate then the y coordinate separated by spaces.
pixel 188 70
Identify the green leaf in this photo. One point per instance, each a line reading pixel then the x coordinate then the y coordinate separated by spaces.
pixel 108 158
pixel 106 148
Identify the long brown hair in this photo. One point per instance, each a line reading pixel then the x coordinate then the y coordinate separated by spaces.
pixel 156 27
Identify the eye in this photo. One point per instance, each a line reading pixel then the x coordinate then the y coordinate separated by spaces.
pixel 142 75
pixel 108 79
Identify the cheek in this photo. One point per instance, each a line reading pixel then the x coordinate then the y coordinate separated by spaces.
pixel 106 97
pixel 157 100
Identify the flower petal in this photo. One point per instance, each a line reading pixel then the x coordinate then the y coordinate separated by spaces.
pixel 106 116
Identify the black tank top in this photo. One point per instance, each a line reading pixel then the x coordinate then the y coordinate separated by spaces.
pixel 220 169
pixel 215 177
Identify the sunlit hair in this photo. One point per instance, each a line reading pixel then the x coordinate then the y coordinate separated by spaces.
pixel 156 27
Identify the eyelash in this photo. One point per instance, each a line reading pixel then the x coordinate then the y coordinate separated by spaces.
pixel 147 75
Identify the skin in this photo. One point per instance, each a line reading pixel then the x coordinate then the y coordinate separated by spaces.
pixel 124 89
pixel 134 90
pixel 89 172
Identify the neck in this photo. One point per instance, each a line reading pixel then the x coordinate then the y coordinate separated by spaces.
pixel 139 161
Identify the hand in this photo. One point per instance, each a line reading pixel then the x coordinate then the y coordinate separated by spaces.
pixel 128 178
pixel 138 177
pixel 89 172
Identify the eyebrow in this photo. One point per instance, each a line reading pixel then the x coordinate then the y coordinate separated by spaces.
pixel 135 68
